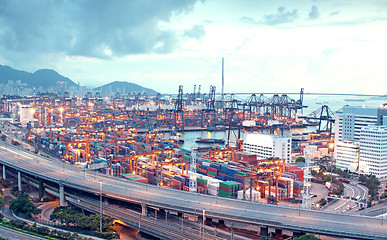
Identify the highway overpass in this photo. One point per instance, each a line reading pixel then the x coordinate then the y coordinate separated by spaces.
pixel 293 219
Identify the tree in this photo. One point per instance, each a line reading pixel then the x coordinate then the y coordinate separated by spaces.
pixel 307 237
pixel 1 200
pixel 76 218
pixel 3 137
pixel 300 159
pixel 23 205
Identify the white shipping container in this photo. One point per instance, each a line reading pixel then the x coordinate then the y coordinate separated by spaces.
pixel 206 163
pixel 213 189
pixel 249 123
pixel 255 195
pixel 142 159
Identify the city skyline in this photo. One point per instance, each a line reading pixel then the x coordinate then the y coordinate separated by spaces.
pixel 279 46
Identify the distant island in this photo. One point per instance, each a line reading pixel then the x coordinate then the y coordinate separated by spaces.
pixel 18 82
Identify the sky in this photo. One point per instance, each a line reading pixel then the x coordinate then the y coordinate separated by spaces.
pixel 325 46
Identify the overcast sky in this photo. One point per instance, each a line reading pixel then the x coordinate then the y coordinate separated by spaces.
pixel 269 46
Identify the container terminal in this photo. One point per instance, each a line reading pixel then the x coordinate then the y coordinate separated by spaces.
pixel 125 136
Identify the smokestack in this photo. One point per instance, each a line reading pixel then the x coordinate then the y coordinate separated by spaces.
pixel 222 81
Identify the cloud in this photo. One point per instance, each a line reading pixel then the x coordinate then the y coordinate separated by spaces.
pixel 91 28
pixel 332 50
pixel 197 32
pixel 239 47
pixel 314 13
pixel 335 13
pixel 281 16
pixel 249 20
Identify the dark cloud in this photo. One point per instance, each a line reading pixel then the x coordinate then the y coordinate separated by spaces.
pixel 197 32
pixel 281 16
pixel 92 28
pixel 335 13
pixel 314 13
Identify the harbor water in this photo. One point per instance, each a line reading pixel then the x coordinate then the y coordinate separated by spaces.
pixel 335 103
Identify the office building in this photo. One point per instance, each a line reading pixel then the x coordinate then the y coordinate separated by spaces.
pixel 373 151
pixel 266 146
pixel 353 146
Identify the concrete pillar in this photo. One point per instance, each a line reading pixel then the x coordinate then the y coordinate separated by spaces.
pixel 264 232
pixel 41 189
pixel 4 175
pixel 144 209
pixel 19 181
pixel 61 195
pixel 278 233
pixel 208 221
pixel 162 212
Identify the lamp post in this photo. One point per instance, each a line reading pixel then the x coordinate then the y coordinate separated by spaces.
pixel 204 215
pixel 100 205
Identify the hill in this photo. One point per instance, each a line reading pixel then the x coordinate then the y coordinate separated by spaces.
pixel 123 88
pixel 45 78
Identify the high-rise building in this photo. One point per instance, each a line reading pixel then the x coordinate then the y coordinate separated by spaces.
pixel 347 155
pixel 348 133
pixel 26 114
pixel 266 146
pixel 373 151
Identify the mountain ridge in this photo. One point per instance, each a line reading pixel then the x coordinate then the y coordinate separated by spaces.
pixel 124 87
pixel 49 78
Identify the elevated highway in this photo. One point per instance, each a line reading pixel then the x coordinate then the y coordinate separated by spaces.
pixel 293 219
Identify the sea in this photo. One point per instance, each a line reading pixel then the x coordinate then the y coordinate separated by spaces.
pixel 313 103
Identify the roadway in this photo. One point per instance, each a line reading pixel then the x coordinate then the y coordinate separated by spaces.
pixel 348 204
pixel 221 208
pixel 11 234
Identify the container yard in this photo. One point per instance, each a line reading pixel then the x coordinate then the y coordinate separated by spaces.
pixel 126 137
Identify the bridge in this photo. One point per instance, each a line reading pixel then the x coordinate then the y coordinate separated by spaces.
pixel 242 211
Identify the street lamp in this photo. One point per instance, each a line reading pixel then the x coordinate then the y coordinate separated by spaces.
pixel 204 215
pixel 100 205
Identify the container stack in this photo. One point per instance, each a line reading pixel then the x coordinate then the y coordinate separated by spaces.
pixel 228 189
pixel 297 188
pixel 177 182
pixel 255 196
pixel 202 185
pixel 245 158
pixel 286 185
pixel 213 188
pixel 272 192
pixel 134 177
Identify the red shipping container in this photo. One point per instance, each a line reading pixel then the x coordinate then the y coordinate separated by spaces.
pixel 290 167
pixel 176 184
pixel 221 174
pixel 227 189
pixel 238 176
pixel 299 173
pixel 240 185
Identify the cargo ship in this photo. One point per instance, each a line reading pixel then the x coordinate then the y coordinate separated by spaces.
pixel 177 138
pixel 209 140
pixel 354 100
